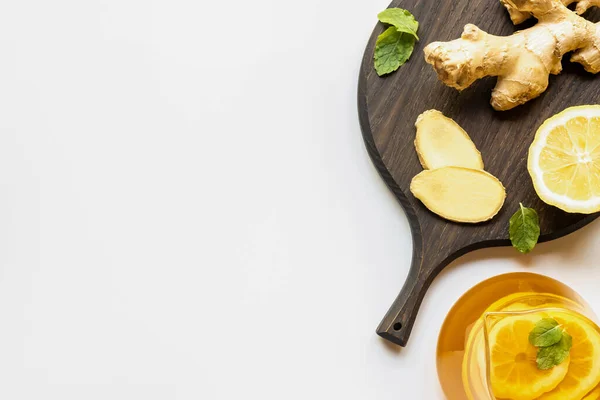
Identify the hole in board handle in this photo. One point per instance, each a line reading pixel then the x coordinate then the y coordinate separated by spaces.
pixel 397 326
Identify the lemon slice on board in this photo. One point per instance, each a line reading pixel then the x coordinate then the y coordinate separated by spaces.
pixel 513 369
pixel 564 160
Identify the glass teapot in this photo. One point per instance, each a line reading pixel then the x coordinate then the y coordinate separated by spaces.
pixel 500 362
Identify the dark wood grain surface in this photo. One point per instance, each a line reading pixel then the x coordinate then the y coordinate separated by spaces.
pixel 389 107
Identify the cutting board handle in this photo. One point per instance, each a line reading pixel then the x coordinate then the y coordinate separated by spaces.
pixel 397 324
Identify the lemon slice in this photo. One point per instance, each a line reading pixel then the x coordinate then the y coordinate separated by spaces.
pixel 584 368
pixel 513 369
pixel 593 395
pixel 564 160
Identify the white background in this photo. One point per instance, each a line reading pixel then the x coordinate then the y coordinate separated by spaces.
pixel 187 210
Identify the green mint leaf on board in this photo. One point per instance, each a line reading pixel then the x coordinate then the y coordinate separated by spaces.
pixel 524 229
pixel 552 356
pixel 546 333
pixel 395 46
pixel 401 19
pixel 392 50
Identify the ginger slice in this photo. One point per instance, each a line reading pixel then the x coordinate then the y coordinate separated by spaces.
pixel 459 194
pixel 441 142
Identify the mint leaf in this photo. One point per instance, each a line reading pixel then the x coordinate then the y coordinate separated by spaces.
pixel 552 341
pixel 401 19
pixel 552 356
pixel 393 49
pixel 396 44
pixel 524 229
pixel 546 333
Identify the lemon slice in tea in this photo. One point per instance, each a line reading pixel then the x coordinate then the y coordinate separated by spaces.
pixel 584 368
pixel 513 368
pixel 593 395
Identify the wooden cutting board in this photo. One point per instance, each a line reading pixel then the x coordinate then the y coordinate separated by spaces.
pixel 389 107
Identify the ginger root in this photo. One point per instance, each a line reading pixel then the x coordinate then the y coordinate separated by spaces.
pixel 518 17
pixel 523 61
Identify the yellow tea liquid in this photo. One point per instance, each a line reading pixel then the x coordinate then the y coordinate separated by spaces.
pixel 471 306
